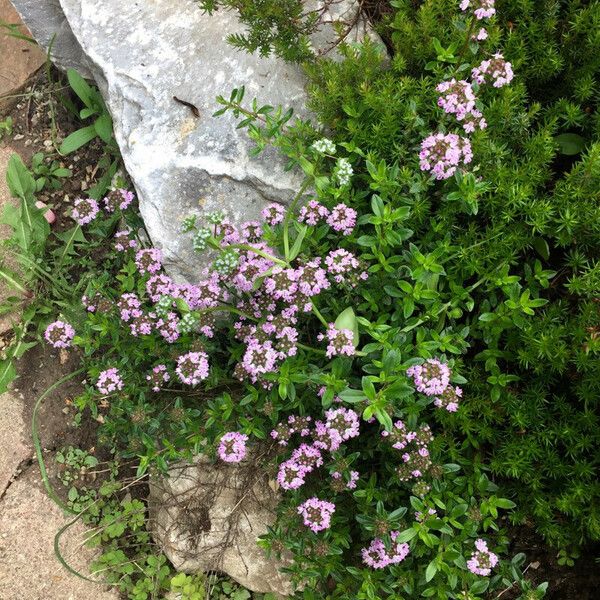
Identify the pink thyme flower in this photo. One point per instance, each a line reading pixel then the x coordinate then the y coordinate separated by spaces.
pixel 232 447
pixel 313 213
pixel 129 307
pixel 158 377
pixel 316 513
pixel 84 210
pixel 482 561
pixel 354 475
pixel 59 334
pixel 307 457
pixel 431 378
pixel 118 199
pixel 497 68
pixel 481 35
pixel 483 9
pixel 342 218
pixel 343 420
pixel 344 267
pixel 148 260
pixel 273 214
pixel 159 285
pixel 124 240
pixel 457 97
pixel 291 475
pixel 109 381
pixel 377 556
pixel 326 438
pixel 340 341
pixel 168 327
pixel 443 153
pixel 449 398
pixel 192 367
pixel 250 232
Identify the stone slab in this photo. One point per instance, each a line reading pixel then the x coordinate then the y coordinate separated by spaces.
pixel 14 448
pixel 19 59
pixel 49 27
pixel 29 569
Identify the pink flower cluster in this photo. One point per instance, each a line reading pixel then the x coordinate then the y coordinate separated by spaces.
pixel 377 556
pixel 432 378
pixel 86 210
pixel 340 341
pixel 459 99
pixel 124 240
pixel 316 514
pixel 148 260
pixel 341 218
pixel 443 153
pixel 59 334
pixel 340 425
pixel 232 447
pixel 109 381
pixel 482 561
pixel 158 377
pixel 118 199
pixel 483 9
pixel 273 214
pixel 192 367
pixel 496 68
pixel 414 446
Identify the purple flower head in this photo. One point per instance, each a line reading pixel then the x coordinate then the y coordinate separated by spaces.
pixel 148 260
pixel 325 437
pixel 483 9
pixel 307 457
pixel 457 98
pixel 118 199
pixel 431 378
pixel 84 210
pixel 340 341
pixel 343 420
pixel 313 213
pixel 109 381
pixel 129 307
pixel 449 398
pixel 142 323
pixel 377 556
pixel 316 514
pixel 259 358
pixel 342 218
pixel 168 327
pixel 124 240
pixel 443 153
pixel 232 447
pixel 192 367
pixel 159 285
pixel 59 334
pixel 354 475
pixel 291 475
pixel 251 232
pixel 344 267
pixel 158 377
pixel 497 68
pixel 482 561
pixel 273 214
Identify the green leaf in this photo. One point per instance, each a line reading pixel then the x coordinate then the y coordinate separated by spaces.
pixel 570 143
pixel 298 243
pixel 430 571
pixel 20 181
pixel 7 374
pixel 347 320
pixel 505 503
pixel 77 139
pixel 81 87
pixel 104 128
pixel 406 535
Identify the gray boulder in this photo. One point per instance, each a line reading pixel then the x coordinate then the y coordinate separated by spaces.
pixel 208 517
pixel 48 25
pixel 145 53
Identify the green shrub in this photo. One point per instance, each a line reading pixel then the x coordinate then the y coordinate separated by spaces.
pixel 533 402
